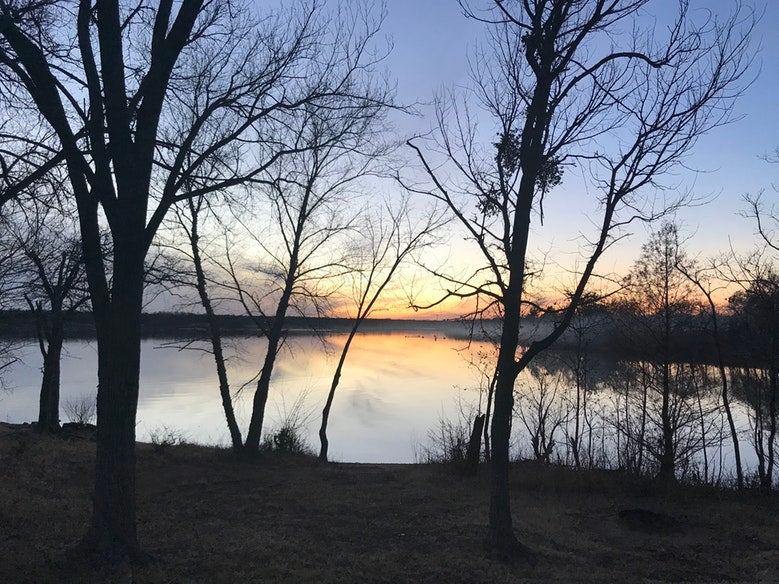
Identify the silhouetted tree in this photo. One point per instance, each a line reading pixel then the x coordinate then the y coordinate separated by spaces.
pixel 754 331
pixel 108 78
pixel 756 318
pixel 54 285
pixel 662 300
pixel 704 281
pixel 313 195
pixel 190 220
pixel 541 409
pixel 389 238
pixel 565 83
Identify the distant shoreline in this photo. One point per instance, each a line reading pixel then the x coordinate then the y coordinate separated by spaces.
pixel 20 325
pixel 600 338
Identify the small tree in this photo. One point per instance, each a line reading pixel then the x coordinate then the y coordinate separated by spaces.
pixel 311 194
pixel 190 220
pixel 704 281
pixel 661 298
pixel 755 331
pixel 389 239
pixel 56 286
pixel 756 314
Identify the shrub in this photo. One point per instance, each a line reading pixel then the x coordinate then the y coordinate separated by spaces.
pixel 286 439
pixel 447 443
pixel 288 436
pixel 81 410
pixel 164 436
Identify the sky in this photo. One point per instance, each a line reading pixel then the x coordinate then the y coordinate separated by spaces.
pixel 432 41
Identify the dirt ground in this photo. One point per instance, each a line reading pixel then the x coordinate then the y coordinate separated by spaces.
pixel 204 516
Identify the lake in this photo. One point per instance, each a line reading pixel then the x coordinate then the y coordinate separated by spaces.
pixel 395 389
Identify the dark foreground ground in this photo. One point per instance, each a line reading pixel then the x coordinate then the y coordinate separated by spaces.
pixel 205 517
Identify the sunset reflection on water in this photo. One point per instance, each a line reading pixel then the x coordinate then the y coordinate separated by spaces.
pixel 393 390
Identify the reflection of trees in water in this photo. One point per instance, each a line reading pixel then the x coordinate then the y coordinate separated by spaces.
pixel 753 387
pixel 619 408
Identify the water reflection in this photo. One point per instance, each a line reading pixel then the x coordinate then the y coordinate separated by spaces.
pixel 392 391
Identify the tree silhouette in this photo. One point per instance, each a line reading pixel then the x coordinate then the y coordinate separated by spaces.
pixel 108 79
pixel 567 84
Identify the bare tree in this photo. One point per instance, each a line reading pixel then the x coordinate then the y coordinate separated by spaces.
pixel 542 412
pixel 756 326
pixel 755 331
pixel 55 285
pixel 569 82
pixel 190 220
pixel 390 238
pixel 704 280
pixel 311 194
pixel 108 78
pixel 662 303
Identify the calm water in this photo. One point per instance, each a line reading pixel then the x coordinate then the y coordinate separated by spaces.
pixel 394 389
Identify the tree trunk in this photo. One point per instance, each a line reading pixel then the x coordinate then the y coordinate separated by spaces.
pixel 772 410
pixel 667 470
pixel 324 444
pixel 48 414
pixel 667 458
pixel 487 419
pixel 500 538
pixel 501 533
pixel 575 439
pixel 112 533
pixel 50 338
pixel 254 434
pixel 215 335
pixel 473 453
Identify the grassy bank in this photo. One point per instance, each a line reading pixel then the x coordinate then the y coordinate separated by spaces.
pixel 205 517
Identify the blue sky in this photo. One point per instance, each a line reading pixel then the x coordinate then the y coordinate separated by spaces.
pixel 432 40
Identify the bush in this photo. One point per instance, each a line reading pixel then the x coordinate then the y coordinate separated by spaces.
pixel 81 410
pixel 447 443
pixel 164 436
pixel 286 439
